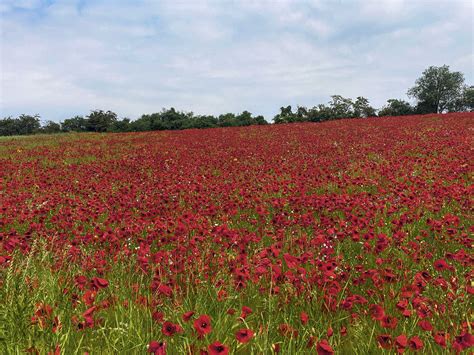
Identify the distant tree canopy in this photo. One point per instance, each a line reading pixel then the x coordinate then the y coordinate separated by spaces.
pixel 396 107
pixel 338 107
pixel 24 124
pixel 438 90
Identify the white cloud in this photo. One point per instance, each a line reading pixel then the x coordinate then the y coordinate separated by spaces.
pixel 61 59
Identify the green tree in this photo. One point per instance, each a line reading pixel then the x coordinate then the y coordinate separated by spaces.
pixel 468 99
pixel 74 124
pixel 286 115
pixel 100 121
pixel 395 107
pixel 437 90
pixel 51 127
pixel 341 107
pixel 29 124
pixel 362 108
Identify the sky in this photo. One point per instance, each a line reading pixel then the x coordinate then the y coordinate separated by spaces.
pixel 66 58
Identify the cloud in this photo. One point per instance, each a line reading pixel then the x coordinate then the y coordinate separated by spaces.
pixel 61 58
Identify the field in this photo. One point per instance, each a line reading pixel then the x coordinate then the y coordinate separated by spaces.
pixel 352 236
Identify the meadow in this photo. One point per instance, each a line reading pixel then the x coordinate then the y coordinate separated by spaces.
pixel 347 237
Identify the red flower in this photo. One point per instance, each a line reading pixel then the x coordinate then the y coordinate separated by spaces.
pixel 440 338
pixel 401 342
pixel 170 329
pixel 389 322
pixel 187 316
pixel 323 348
pixel 416 343
pixel 245 312
pixel 304 318
pixel 441 265
pixel 463 341
pixel 244 335
pixel 157 348
pixel 218 348
pixel 203 325
pixel 376 312
pixel 98 283
pixel 385 341
pixel 425 325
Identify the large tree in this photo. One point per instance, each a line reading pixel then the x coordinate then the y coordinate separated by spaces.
pixel 437 90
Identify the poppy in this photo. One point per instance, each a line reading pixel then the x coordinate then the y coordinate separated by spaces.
pixel 401 342
pixel 376 312
pixel 170 329
pixel 323 348
pixel 389 322
pixel 415 343
pixel 385 341
pixel 218 348
pixel 187 316
pixel 203 325
pixel 157 348
pixel 245 312
pixel 244 335
pixel 304 318
pixel 98 283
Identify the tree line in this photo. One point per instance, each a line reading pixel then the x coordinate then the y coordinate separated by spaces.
pixel 438 90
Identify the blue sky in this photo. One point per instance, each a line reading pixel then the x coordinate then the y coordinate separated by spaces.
pixel 62 58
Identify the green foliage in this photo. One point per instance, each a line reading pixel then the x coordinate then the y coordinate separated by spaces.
pixel 74 124
pixel 51 127
pixel 100 121
pixel 437 90
pixel 396 107
pixel 24 124
pixel 338 107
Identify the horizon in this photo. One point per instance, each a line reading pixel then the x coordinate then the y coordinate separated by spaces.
pixel 65 58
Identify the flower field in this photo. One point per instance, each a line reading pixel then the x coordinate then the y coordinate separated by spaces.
pixel 346 237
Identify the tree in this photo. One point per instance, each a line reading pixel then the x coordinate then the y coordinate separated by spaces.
pixel 341 107
pixel 51 127
pixel 28 124
pixel 362 108
pixel 9 126
pixel 286 115
pixel 468 99
pixel 100 121
pixel 395 107
pixel 74 124
pixel 437 90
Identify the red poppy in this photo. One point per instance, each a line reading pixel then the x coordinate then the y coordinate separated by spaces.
pixel 415 343
pixel 425 325
pixel 463 341
pixel 218 348
pixel 187 316
pixel 170 329
pixel 440 338
pixel 304 318
pixel 323 348
pixel 98 283
pixel 157 348
pixel 441 265
pixel 245 312
pixel 376 312
pixel 385 341
pixel 401 342
pixel 244 335
pixel 389 322
pixel 203 325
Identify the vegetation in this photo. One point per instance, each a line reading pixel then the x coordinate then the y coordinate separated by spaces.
pixel 438 90
pixel 346 237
